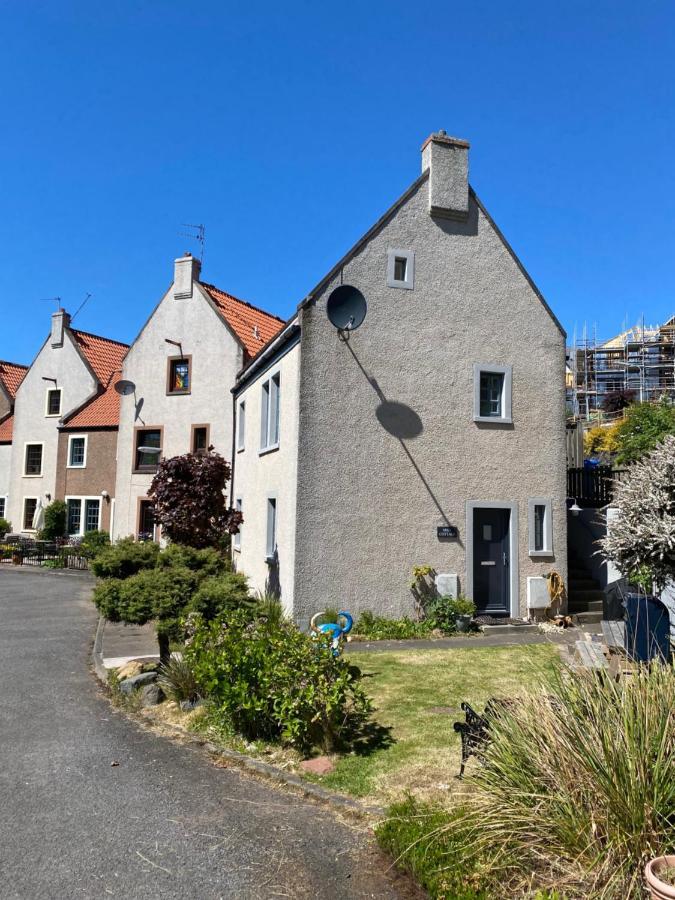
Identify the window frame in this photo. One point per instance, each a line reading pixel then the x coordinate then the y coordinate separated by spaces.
pixel 193 429
pixel 139 508
pixel 236 538
pixel 71 438
pixel 506 372
pixel 49 391
pixel 241 425
pixel 25 527
pixel 3 507
pixel 26 445
pixel 169 371
pixel 547 503
pixel 83 499
pixel 266 407
pixel 271 504
pixel 393 254
pixel 146 470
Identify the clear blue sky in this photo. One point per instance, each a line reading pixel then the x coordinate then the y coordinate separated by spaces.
pixel 288 128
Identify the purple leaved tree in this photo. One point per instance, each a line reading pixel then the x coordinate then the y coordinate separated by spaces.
pixel 190 497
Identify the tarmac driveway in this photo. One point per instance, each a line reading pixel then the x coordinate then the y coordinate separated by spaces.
pixel 164 822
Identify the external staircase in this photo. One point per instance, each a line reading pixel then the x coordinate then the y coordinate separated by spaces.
pixel 584 594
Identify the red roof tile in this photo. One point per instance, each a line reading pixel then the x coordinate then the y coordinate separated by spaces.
pixel 105 357
pixel 11 375
pixel 6 427
pixel 252 326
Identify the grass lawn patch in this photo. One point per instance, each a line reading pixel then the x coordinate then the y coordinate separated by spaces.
pixel 417 696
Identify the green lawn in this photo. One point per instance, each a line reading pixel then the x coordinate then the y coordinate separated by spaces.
pixel 424 752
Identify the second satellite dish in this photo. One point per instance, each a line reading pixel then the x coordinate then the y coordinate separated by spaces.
pixel 346 308
pixel 124 387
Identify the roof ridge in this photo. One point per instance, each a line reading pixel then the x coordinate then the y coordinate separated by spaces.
pixel 259 309
pixel 99 337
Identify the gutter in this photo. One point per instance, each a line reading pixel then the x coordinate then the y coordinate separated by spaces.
pixel 289 330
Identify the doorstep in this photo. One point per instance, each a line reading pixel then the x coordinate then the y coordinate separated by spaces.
pixel 528 628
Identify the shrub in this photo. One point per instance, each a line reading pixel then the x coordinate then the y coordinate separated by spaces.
pixel 615 401
pixel 93 542
pixel 55 521
pixel 273 682
pixel 106 597
pixel 5 527
pixel 221 594
pixel 379 628
pixel 125 558
pixel 644 426
pixel 269 607
pixel 576 788
pixel 207 561
pixel 177 680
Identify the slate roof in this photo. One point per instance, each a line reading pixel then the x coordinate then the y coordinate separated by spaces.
pixel 252 326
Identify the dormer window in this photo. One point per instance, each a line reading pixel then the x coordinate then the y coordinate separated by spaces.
pixel 53 402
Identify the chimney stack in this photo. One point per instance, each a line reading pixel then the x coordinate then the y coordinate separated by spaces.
pixel 60 321
pixel 447 159
pixel 186 270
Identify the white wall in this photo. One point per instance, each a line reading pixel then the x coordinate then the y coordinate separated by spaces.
pixel 258 476
pixel 5 462
pixel 216 358
pixel 32 426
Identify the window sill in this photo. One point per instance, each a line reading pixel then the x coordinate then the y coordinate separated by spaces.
pixel 540 554
pixel 405 285
pixel 144 471
pixel 236 549
pixel 35 475
pixel 270 449
pixel 240 449
pixel 270 560
pixel 178 393
pixel 75 467
pixel 52 415
pixel 493 420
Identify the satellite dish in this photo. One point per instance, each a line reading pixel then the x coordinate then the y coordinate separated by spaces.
pixel 346 308
pixel 124 387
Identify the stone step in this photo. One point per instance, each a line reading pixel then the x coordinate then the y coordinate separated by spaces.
pixel 577 606
pixel 589 618
pixel 586 596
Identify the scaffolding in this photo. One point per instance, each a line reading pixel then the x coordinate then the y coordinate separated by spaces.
pixel 639 361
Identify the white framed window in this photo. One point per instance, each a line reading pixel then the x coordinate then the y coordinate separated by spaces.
pixel 401 269
pixel 29 508
pixel 236 538
pixel 241 425
pixel 53 402
pixel 540 526
pixel 271 544
pixel 492 393
pixel 269 413
pixel 83 514
pixel 32 460
pixel 77 451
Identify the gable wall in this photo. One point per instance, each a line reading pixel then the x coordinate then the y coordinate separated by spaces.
pixel 369 504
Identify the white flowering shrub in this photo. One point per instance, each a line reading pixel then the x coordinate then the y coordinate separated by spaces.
pixel 643 533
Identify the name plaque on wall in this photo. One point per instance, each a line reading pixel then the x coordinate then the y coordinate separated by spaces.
pixel 447 532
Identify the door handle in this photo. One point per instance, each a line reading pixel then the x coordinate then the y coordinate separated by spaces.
pixel 504 559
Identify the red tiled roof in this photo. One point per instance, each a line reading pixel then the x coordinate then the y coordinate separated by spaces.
pixel 105 357
pixel 6 427
pixel 11 375
pixel 253 326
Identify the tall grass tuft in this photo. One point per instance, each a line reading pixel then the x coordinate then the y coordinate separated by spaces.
pixel 177 680
pixel 577 787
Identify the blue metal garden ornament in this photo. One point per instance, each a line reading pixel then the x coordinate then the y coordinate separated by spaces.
pixel 336 632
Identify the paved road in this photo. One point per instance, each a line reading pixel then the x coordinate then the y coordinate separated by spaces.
pixel 164 822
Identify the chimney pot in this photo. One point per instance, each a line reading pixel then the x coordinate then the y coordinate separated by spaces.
pixel 186 270
pixel 447 159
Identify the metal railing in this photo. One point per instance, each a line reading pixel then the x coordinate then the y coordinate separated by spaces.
pixel 19 551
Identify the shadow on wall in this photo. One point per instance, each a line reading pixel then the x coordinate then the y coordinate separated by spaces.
pixel 464 227
pixel 273 580
pixel 402 423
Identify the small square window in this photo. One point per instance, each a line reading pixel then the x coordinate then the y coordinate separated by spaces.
pixel 401 269
pixel 29 507
pixel 492 394
pixel 33 462
pixel 54 402
pixel 148 449
pixel 179 379
pixel 77 452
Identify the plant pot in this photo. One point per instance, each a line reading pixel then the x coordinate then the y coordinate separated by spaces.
pixel 660 890
pixel 463 623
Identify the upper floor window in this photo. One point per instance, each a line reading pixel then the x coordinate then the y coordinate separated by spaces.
pixel 241 425
pixel 492 394
pixel 200 438
pixel 401 269
pixel 179 378
pixel 53 402
pixel 269 413
pixel 148 449
pixel 77 452
pixel 33 460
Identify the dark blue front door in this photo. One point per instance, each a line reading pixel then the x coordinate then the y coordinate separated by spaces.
pixel 491 561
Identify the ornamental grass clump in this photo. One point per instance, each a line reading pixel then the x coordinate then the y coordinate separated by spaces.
pixel 267 680
pixel 576 790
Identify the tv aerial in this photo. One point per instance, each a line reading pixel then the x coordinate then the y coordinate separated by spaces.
pixel 346 309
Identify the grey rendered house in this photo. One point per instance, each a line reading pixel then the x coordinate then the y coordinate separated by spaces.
pixel 433 434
